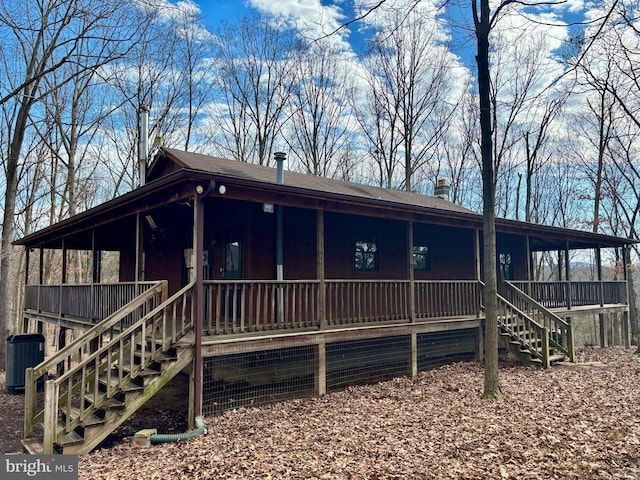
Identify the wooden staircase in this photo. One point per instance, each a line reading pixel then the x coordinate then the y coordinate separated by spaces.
pixel 111 371
pixel 533 333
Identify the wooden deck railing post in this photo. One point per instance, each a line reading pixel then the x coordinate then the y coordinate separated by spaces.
pixel 571 342
pixel 545 348
pixel 50 416
pixel 30 393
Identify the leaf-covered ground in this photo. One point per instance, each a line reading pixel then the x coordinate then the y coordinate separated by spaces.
pixel 554 424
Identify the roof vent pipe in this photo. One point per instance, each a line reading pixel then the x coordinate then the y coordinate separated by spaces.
pixel 441 189
pixel 280 157
pixel 143 143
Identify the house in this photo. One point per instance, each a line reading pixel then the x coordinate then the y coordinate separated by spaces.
pixel 262 283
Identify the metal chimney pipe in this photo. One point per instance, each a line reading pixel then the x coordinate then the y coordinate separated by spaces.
pixel 280 158
pixel 143 143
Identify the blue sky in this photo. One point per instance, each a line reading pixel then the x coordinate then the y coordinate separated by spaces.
pixel 323 16
pixel 213 11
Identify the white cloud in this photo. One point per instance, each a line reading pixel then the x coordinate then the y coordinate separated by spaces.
pixel 310 17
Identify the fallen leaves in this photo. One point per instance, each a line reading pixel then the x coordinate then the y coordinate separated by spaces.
pixel 552 424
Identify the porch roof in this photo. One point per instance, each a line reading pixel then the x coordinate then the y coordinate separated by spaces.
pixel 174 174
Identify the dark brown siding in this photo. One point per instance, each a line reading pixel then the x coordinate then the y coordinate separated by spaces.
pixel 340 236
pixel 452 252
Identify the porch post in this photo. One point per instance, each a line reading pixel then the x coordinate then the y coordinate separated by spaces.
pixel 322 294
pixel 626 326
pixel 96 259
pixel 64 262
pixel 27 258
pixel 40 274
pixel 198 252
pixel 476 255
pixel 625 272
pixel 529 262
pixel 25 322
pixel 567 268
pixel 41 267
pixel 412 280
pixel 139 268
pixel 599 267
pixel 559 265
pixel 63 277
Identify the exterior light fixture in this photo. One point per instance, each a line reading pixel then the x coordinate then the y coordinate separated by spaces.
pixel 267 207
pixel 199 189
pixel 222 189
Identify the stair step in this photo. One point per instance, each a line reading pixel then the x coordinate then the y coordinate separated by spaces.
pixel 109 403
pixel 557 358
pixel 126 386
pixel 157 356
pixel 88 421
pixel 32 446
pixel 145 372
pixel 71 438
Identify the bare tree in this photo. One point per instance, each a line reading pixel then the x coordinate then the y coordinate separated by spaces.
pixel 256 71
pixel 321 119
pixel 413 97
pixel 40 37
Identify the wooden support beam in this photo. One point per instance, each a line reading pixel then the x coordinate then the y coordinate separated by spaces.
pixel 567 267
pixel 139 268
pixel 414 354
pixel 321 368
pixel 412 280
pixel 198 265
pixel 320 262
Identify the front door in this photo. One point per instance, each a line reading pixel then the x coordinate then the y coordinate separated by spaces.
pixel 232 269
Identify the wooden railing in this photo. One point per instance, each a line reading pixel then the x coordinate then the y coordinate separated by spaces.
pixel 239 306
pixel 247 306
pixel 574 294
pixel 89 302
pixel 366 301
pixel 525 330
pixel 447 298
pixel 560 333
pixel 108 352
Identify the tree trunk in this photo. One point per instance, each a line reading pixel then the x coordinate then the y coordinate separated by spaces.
pixel 491 379
pixel 8 222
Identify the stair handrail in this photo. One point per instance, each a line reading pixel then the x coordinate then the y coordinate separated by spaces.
pixel 561 335
pixel 529 325
pixel 118 332
pixel 102 359
pixel 103 327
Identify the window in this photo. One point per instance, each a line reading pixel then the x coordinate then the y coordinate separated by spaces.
pixel 504 261
pixel 421 258
pixel 366 255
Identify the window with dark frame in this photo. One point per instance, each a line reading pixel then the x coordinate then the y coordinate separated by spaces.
pixel 421 257
pixel 504 260
pixel 366 254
